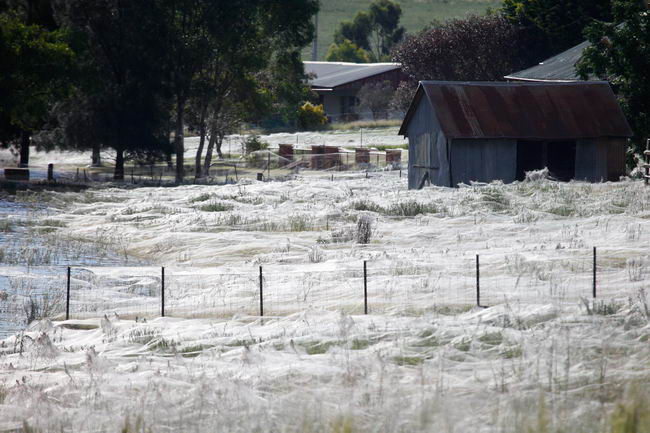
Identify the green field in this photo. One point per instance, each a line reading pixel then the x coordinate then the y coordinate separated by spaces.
pixel 416 14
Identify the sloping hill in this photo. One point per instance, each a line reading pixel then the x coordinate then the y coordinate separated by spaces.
pixel 416 14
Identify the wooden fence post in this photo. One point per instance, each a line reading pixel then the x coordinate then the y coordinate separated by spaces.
pixel 261 293
pixel 478 283
pixel 67 297
pixel 365 288
pixel 162 294
pixel 594 276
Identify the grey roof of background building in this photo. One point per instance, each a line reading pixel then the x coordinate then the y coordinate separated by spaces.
pixel 332 74
pixel 561 67
pixel 522 110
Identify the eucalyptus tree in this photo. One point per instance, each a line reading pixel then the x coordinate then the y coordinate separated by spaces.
pixel 218 54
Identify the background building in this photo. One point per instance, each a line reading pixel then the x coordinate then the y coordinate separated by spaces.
pixel 337 85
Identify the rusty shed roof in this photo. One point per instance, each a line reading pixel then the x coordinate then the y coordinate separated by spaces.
pixel 523 110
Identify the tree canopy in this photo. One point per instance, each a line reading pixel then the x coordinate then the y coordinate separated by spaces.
pixel 620 53
pixel 34 74
pixel 375 31
pixel 477 48
pixel 139 67
pixel 346 51
pixel 553 26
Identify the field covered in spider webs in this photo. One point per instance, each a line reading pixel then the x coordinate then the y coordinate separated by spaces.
pixel 544 357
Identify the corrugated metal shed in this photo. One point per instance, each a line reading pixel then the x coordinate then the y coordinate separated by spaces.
pixel 333 74
pixel 523 110
pixel 561 67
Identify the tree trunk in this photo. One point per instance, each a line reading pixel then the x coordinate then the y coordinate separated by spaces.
pixel 208 153
pixel 118 174
pixel 219 142
pixel 96 157
pixel 25 139
pixel 168 159
pixel 179 141
pixel 199 151
pixel 168 149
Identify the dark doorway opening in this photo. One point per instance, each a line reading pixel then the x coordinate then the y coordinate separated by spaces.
pixel 530 156
pixel 561 159
pixel 558 156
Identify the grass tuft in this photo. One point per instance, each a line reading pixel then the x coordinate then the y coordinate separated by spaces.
pixel 216 207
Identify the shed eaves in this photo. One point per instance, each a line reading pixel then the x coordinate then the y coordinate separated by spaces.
pixel 523 110
pixel 332 74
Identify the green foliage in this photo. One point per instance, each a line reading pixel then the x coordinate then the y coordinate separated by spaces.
pixel 555 25
pixel 416 15
pixel 621 54
pixel 311 116
pixel 386 31
pixel 34 74
pixel 355 31
pixel 375 31
pixel 346 51
pixel 633 415
pixel 287 86
pixel 255 143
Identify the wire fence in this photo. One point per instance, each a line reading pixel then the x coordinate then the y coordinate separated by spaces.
pixel 560 277
pixel 267 164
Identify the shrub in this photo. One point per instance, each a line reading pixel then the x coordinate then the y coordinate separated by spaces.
pixel 410 208
pixel 366 205
pixel 311 116
pixel 364 229
pixel 216 207
pixel 255 143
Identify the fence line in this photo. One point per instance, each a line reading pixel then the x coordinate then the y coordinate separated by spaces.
pixel 562 277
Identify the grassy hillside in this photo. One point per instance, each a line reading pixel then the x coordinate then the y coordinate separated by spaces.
pixel 416 14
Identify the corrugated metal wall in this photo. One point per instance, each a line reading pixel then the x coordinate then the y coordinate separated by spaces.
pixel 616 158
pixel 428 160
pixel 483 160
pixel 599 160
pixel 591 160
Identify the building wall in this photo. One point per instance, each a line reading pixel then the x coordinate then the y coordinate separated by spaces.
pixel 338 110
pixel 615 157
pixel 483 160
pixel 599 160
pixel 428 153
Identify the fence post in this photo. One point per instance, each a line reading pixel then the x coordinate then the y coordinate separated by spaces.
pixel 478 283
pixel 67 297
pixel 261 293
pixel 365 288
pixel 594 276
pixel 162 287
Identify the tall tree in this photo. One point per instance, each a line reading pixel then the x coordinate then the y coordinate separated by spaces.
pixel 34 74
pixel 121 84
pixel 376 31
pixel 472 49
pixel 226 46
pixel 356 31
pixel 553 26
pixel 385 31
pixel 620 53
